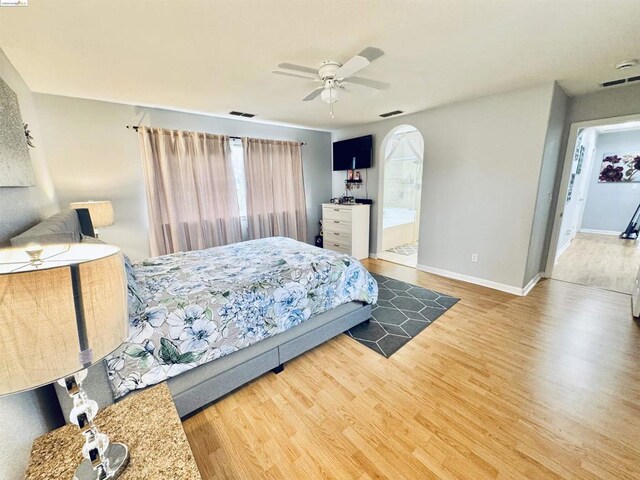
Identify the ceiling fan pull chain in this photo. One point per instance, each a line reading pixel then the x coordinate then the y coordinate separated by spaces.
pixel 331 102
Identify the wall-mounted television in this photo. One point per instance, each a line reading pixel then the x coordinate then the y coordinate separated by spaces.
pixel 353 153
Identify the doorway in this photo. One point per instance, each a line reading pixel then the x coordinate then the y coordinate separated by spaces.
pixel 401 195
pixel 601 186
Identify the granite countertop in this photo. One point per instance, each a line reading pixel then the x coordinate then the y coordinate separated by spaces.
pixel 146 422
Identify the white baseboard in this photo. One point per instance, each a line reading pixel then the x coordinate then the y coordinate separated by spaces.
pixel 373 255
pixel 599 232
pixel 561 251
pixel 481 281
pixel 529 286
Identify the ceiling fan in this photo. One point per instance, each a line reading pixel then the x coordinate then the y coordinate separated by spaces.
pixel 334 75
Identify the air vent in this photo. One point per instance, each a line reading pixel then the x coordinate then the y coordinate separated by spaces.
pixel 621 81
pixel 391 114
pixel 613 83
pixel 241 114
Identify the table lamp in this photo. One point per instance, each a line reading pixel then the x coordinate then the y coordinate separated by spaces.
pixel 101 212
pixel 62 309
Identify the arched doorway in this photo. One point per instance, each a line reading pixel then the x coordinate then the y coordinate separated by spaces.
pixel 401 186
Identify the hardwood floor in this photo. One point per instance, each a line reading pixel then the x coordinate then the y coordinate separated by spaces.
pixel 603 261
pixel 545 386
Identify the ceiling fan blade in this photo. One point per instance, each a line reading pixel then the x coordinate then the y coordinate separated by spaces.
pixel 297 75
pixel 371 53
pixel 365 82
pixel 313 94
pixel 359 61
pixel 298 68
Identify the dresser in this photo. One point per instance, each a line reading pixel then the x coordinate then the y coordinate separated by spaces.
pixel 346 229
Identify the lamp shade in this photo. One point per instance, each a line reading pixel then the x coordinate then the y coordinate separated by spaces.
pixel 59 314
pixel 101 212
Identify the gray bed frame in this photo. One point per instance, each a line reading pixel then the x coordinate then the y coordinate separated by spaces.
pixel 202 385
pixel 206 383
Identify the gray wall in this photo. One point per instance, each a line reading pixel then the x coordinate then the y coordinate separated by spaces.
pixel 87 139
pixel 25 416
pixel 22 207
pixel 551 161
pixel 609 206
pixel 605 103
pixel 481 169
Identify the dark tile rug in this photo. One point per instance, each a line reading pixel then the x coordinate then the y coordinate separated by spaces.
pixel 402 312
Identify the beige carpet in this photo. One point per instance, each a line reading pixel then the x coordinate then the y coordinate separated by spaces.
pixel 603 261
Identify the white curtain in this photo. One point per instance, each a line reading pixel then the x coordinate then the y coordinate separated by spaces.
pixel 276 204
pixel 191 191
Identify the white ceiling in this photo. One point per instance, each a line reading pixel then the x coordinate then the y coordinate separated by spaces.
pixel 215 56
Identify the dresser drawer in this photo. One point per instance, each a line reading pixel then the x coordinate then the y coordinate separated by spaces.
pixel 339 247
pixel 342 214
pixel 337 237
pixel 336 226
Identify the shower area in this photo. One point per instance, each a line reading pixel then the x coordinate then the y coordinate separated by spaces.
pixel 402 192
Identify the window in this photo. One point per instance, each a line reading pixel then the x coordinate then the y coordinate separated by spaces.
pixel 237 158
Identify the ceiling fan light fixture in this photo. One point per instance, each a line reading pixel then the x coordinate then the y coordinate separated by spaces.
pixel 329 95
pixel 333 75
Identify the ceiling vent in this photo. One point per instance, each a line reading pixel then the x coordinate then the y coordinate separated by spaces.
pixel 621 81
pixel 613 83
pixel 391 114
pixel 241 114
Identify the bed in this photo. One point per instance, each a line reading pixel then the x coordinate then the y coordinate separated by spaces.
pixel 209 321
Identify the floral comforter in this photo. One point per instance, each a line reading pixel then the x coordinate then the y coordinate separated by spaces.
pixel 189 308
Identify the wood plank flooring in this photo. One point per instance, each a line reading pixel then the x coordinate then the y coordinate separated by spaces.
pixel 500 387
pixel 603 261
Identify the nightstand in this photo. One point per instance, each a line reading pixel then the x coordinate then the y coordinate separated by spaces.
pixel 147 422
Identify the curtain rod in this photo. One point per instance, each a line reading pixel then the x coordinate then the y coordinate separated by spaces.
pixel 136 127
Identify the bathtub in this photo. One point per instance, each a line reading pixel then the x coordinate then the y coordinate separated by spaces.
pixel 399 227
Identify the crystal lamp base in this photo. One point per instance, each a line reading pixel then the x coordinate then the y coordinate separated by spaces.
pixel 118 455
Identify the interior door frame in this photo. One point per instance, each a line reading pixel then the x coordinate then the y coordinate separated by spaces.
pixel 564 182
pixel 383 165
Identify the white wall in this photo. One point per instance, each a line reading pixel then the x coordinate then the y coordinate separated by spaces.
pixel 87 139
pixel 609 206
pixel 481 169
pixel 574 207
pixel 25 416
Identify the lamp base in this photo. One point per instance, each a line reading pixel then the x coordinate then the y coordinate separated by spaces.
pixel 118 455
